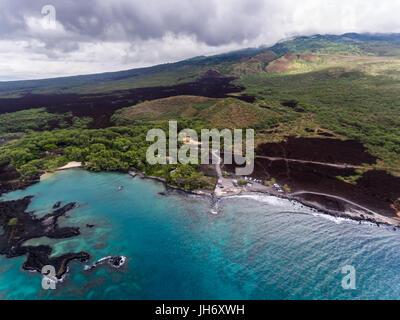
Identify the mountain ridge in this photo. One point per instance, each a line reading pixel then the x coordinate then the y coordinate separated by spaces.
pixel 190 69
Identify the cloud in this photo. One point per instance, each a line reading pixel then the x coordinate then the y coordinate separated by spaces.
pixel 96 35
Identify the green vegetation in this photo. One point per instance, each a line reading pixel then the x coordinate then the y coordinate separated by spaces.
pixel 187 177
pixel 160 75
pixel 164 109
pixel 347 44
pixel 242 182
pixel 354 98
pixel 287 188
pixel 352 179
pixel 13 222
pixel 225 174
pixel 270 182
pixel 38 120
pixel 214 113
pixel 111 149
pixel 345 87
pixel 229 64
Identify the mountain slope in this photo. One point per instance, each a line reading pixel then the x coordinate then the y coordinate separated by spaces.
pixel 191 69
pixel 339 93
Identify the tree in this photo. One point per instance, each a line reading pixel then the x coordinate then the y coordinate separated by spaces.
pixel 13 222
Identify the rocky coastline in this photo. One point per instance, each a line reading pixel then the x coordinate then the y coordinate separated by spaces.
pixel 19 226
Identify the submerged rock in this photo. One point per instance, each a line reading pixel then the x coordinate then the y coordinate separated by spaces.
pixel 113 261
pixel 57 205
pixel 20 226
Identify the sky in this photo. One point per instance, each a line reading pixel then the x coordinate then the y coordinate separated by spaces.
pixel 52 38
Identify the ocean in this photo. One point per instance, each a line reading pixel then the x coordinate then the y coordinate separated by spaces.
pixel 257 246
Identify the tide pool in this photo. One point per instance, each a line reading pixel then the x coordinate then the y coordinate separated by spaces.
pixel 256 247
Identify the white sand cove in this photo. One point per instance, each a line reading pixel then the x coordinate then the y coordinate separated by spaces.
pixel 71 165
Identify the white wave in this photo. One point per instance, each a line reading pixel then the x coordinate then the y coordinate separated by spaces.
pixel 271 200
pixel 295 207
pixel 337 220
pixel 277 202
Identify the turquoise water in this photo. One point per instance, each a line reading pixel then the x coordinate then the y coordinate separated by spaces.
pixel 257 247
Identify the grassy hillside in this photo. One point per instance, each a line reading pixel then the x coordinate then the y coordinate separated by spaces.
pixel 347 44
pixel 217 113
pixel 234 63
pixel 38 120
pixel 168 108
pixel 356 97
pixel 345 87
pixel 160 75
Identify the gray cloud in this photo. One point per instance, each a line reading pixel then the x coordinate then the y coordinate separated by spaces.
pixel 99 35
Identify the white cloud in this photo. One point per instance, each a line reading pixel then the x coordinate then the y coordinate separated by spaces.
pixel 98 36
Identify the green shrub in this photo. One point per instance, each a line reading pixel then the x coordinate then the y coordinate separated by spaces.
pixel 13 222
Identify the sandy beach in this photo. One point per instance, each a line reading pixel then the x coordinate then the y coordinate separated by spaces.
pixel 70 165
pixel 351 210
pixel 46 175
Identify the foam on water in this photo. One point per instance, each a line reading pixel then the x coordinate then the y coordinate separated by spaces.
pixel 256 247
pixel 295 206
pixel 271 200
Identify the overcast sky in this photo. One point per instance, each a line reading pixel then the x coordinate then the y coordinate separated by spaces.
pixel 92 36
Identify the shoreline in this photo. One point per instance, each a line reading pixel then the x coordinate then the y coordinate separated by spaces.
pixel 43 253
pixel 378 220
pixel 350 213
pixel 71 165
pixel 141 175
pixel 26 226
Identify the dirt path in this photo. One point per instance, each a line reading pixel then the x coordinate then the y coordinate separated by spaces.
pixel 335 165
pixel 337 198
pixel 218 162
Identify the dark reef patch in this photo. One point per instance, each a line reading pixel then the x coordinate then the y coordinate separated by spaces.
pixel 20 226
